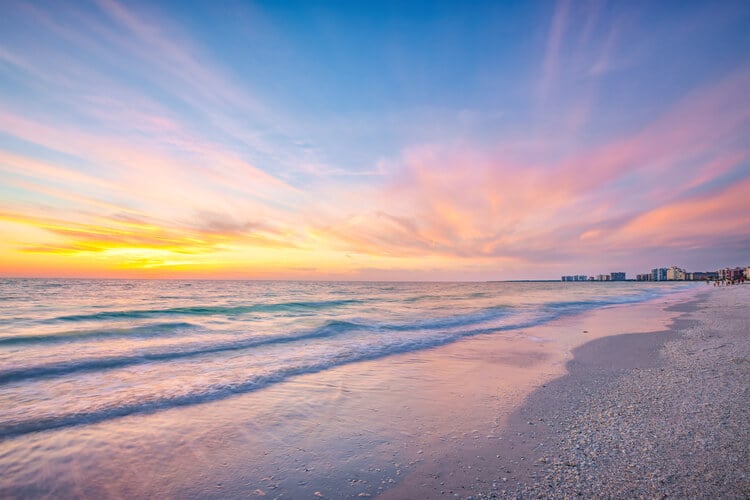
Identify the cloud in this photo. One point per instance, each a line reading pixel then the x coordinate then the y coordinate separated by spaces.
pixel 137 233
pixel 709 121
pixel 152 152
pixel 465 200
pixel 702 221
pixel 551 61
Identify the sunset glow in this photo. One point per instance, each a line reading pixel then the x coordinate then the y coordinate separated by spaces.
pixel 309 140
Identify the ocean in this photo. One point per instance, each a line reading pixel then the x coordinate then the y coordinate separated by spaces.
pixel 96 372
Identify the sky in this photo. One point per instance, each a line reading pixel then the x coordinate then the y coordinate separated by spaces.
pixel 327 140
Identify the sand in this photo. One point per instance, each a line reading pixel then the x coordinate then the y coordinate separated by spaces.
pixel 648 415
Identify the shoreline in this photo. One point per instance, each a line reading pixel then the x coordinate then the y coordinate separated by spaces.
pixel 411 425
pixel 633 416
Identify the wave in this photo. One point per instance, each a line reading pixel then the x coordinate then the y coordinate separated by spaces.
pixel 444 327
pixel 152 330
pixel 206 310
pixel 331 328
pixel 579 305
pixel 441 327
pixel 425 297
pixel 218 392
pixel 417 298
pixel 518 319
pixel 480 316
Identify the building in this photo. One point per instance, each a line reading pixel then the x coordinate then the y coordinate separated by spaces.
pixel 702 276
pixel 659 274
pixel 643 277
pixel 617 276
pixel 675 273
pixel 731 274
pixel 576 277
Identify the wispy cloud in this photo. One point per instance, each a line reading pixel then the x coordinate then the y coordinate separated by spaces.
pixel 555 40
pixel 128 139
pixel 467 201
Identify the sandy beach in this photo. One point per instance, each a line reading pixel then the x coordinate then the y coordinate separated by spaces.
pixel 637 415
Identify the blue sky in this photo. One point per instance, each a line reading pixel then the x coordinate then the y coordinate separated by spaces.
pixel 417 140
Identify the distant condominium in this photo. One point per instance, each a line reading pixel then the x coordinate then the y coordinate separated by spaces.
pixel 675 273
pixel 618 276
pixel 578 277
pixel 732 274
pixel 659 274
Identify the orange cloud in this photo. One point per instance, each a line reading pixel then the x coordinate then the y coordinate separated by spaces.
pixel 119 233
pixel 695 221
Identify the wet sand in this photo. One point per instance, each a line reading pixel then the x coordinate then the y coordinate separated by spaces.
pixel 654 415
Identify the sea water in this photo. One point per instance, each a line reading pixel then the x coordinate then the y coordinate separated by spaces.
pixel 93 371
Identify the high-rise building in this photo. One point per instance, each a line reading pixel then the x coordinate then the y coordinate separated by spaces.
pixel 659 274
pixel 675 273
pixel 575 277
pixel 702 276
pixel 731 274
pixel 617 276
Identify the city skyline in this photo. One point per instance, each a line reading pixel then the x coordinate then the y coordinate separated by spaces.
pixel 672 273
pixel 372 140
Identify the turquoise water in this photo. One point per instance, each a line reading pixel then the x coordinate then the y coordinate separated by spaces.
pixel 77 354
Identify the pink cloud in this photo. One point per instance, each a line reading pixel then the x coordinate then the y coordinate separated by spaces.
pixel 132 161
pixel 700 124
pixel 175 54
pixel 699 221
pixel 465 200
pixel 150 45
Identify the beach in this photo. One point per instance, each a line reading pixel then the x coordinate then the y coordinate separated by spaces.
pixel 533 390
pixel 637 415
pixel 648 423
pixel 371 249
